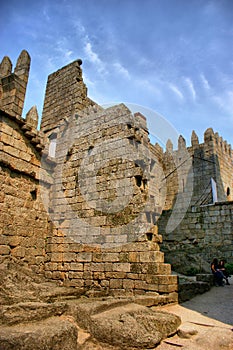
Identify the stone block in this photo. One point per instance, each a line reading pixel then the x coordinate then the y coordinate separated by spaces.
pixel 98 275
pixel 4 250
pixel 110 257
pixel 57 257
pixel 128 284
pixel 84 257
pixel 115 275
pixel 115 283
pixel 76 266
pixel 69 257
pixel 140 285
pixel 18 252
pixel 122 267
pixel 134 257
pixel 156 256
pixel 75 275
pixel 167 288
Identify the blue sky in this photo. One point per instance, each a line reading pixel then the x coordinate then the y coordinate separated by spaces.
pixel 174 57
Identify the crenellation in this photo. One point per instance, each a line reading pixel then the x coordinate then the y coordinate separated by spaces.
pixel 181 143
pixel 169 146
pixel 13 85
pixel 194 140
pixel 5 67
pixel 32 117
pixel 23 66
pixel 208 135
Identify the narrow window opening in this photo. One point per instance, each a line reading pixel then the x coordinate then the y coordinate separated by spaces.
pixel 152 164
pixel 148 216
pixel 149 236
pixel 52 145
pixel 69 153
pixel 33 194
pixel 138 179
pixel 228 191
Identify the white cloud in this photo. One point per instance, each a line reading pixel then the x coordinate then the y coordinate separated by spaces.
pixel 225 102
pixel 87 81
pixel 94 58
pixel 175 89
pixel 121 70
pixel 91 55
pixel 190 85
pixel 205 82
pixel 46 14
pixel 145 84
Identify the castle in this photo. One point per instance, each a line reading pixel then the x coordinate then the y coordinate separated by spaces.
pixel 89 201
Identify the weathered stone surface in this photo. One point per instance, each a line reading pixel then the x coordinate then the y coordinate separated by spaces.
pixel 133 326
pixel 186 331
pixel 20 284
pixel 28 312
pixel 52 334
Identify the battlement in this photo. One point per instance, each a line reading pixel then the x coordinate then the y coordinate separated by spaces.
pixel 212 159
pixel 13 84
pixel 212 143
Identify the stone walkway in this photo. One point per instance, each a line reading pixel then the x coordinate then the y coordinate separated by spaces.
pixel 207 321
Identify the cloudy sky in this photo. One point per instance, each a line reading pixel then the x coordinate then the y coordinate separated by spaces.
pixel 174 57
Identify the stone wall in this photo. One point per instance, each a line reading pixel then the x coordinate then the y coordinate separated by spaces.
pixel 188 170
pixel 81 198
pixel 104 239
pixel 204 233
pixel 23 219
pixel 101 252
pixel 193 223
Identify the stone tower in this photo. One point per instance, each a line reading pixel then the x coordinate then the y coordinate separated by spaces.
pixel 65 94
pixel 13 85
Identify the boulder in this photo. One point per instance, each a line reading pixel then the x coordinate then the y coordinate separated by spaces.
pixel 133 325
pixel 51 334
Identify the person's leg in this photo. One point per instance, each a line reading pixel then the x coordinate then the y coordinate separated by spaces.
pixel 219 278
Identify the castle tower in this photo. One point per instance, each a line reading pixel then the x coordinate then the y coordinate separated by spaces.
pixel 13 84
pixel 65 95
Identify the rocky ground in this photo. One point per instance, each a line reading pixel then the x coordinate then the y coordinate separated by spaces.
pixel 39 315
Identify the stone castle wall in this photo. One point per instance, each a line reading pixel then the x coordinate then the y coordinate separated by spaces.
pixel 81 198
pixel 23 220
pixel 189 170
pixel 104 238
pixel 30 174
pixel 204 233
pixel 193 223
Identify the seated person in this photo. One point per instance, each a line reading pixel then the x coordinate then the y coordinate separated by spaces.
pixel 221 267
pixel 218 275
